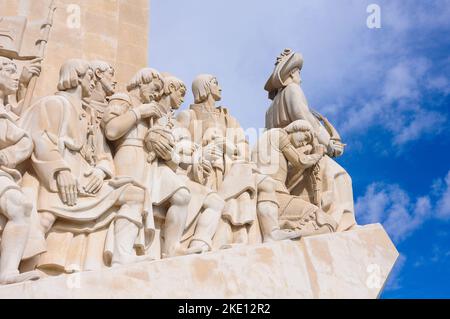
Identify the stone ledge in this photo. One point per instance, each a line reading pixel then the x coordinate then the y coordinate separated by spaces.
pixel 354 264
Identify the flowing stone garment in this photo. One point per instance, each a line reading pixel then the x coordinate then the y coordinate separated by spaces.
pixel 236 178
pixel 289 105
pixel 67 136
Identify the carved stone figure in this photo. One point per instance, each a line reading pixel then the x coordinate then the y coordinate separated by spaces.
pixel 105 86
pixel 128 123
pixel 233 176
pixel 78 194
pixel 15 147
pixel 289 104
pixel 205 207
pixel 295 147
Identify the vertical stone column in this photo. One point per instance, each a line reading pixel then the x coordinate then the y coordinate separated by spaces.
pixel 112 30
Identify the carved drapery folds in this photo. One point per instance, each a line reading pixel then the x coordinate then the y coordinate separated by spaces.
pixel 92 178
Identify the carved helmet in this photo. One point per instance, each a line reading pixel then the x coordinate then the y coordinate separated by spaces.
pixel 286 63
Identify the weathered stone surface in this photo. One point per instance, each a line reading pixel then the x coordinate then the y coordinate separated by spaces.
pixel 353 264
pixel 101 29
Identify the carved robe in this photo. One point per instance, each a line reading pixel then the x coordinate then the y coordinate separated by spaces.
pixel 15 146
pixel 294 212
pixel 67 135
pixel 132 161
pixel 289 105
pixel 235 177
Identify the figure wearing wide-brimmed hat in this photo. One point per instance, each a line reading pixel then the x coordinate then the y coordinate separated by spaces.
pixel 290 104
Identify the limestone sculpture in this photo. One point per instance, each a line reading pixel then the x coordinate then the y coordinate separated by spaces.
pixel 117 178
pixel 129 123
pixel 289 104
pixel 15 147
pixel 205 206
pixel 233 175
pixel 110 173
pixel 78 194
pixel 121 179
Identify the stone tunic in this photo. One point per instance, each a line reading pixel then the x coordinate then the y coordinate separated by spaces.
pixel 15 146
pixel 131 156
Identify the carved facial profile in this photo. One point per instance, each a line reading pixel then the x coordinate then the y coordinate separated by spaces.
pixel 175 89
pixel 104 74
pixel 75 73
pixel 205 85
pixel 9 81
pixel 149 83
pixel 300 132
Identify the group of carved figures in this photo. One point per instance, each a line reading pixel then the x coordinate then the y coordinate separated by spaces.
pixel 93 178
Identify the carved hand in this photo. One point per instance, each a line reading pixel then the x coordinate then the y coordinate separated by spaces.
pixel 95 183
pixel 149 110
pixel 337 148
pixel 67 187
pixel 161 142
pixel 212 152
pixel 207 167
pixel 33 69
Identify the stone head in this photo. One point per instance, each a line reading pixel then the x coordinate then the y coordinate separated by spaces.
pixel 105 76
pixel 148 83
pixel 75 73
pixel 9 80
pixel 300 133
pixel 175 89
pixel 205 85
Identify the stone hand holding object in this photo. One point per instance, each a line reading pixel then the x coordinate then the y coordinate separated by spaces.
pixel 149 110
pixel 30 70
pixel 336 148
pixel 213 152
pixel 160 142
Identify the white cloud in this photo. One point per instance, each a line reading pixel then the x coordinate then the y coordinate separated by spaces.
pixel 443 204
pixel 359 77
pixel 390 205
pixel 399 108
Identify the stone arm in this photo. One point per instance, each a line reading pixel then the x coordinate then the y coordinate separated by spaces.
pixel 119 119
pixel 16 144
pixel 298 109
pixel 28 71
pixel 298 158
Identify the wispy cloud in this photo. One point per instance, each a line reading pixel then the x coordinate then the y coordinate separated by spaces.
pixel 392 206
pixel 360 78
pixel 443 204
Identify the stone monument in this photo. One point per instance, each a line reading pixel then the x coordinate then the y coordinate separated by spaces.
pixel 108 190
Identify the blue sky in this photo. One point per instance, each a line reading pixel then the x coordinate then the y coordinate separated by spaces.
pixel 387 91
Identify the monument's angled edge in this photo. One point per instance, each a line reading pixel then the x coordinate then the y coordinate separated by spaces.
pixel 109 190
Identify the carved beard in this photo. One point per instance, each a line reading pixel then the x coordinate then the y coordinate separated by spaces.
pixel 107 87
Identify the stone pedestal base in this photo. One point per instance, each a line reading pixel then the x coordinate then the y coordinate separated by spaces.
pixel 353 264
